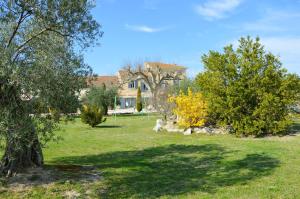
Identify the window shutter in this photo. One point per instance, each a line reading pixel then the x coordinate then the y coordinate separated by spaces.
pixel 136 84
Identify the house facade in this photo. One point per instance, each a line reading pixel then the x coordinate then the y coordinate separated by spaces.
pixel 128 90
pixel 128 86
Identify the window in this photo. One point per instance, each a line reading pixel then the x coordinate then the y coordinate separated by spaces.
pixel 144 87
pixel 176 81
pixel 131 84
pixel 129 102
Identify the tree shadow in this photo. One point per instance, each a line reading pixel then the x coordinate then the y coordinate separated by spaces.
pixel 48 174
pixel 108 126
pixel 294 128
pixel 174 170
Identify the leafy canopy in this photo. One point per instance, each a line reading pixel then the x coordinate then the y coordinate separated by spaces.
pixel 41 63
pixel 248 89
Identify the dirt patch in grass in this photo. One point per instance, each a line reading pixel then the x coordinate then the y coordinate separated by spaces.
pixel 49 175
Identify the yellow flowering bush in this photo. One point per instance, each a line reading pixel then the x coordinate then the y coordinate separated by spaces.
pixel 191 109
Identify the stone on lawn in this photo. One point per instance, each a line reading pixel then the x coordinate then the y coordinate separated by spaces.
pixel 204 130
pixel 187 132
pixel 175 130
pixel 159 125
pixel 172 127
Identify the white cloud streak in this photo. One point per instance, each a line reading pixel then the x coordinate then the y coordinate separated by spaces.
pixel 144 28
pixel 216 9
pixel 274 21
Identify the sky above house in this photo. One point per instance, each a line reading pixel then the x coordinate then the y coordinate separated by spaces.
pixel 181 31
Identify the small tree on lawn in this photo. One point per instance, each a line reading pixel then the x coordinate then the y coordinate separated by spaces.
pixel 101 97
pixel 92 115
pixel 248 89
pixel 139 105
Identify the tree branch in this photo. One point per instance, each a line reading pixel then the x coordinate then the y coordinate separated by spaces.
pixel 16 29
pixel 19 49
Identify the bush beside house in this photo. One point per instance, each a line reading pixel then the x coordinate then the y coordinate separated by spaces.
pixel 101 97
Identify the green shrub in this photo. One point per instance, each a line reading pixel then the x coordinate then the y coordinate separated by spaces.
pixel 54 114
pixel 248 89
pixel 102 97
pixel 92 115
pixel 139 105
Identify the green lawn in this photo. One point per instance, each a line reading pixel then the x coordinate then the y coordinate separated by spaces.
pixel 138 163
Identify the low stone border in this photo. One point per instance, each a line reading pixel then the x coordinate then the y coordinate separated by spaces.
pixel 170 126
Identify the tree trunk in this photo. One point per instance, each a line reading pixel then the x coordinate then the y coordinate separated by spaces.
pixel 20 155
pixel 154 99
pixel 23 149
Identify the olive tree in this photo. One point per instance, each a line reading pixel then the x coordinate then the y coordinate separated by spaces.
pixel 40 45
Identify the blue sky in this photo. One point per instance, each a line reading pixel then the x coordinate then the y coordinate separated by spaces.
pixel 181 31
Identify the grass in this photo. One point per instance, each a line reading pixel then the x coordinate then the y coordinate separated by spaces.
pixel 136 162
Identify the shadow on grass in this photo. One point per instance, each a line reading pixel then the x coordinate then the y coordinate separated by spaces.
pixel 295 128
pixel 174 170
pixel 124 115
pixel 108 126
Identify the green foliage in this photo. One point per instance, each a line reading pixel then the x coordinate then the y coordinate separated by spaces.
pixel 139 105
pixel 102 97
pixel 41 66
pixel 54 114
pixel 183 86
pixel 248 89
pixel 92 115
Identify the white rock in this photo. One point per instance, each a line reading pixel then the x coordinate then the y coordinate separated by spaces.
pixel 207 130
pixel 187 132
pixel 175 130
pixel 156 128
pixel 71 194
pixel 204 130
pixel 159 125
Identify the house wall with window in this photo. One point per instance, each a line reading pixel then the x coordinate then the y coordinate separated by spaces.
pixel 128 87
pixel 128 93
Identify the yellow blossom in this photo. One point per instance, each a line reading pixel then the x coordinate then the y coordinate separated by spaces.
pixel 191 109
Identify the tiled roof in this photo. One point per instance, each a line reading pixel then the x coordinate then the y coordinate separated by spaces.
pixel 163 66
pixel 109 81
pixel 123 74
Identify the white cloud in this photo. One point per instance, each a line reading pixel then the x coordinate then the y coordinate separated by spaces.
pixel 144 28
pixel 216 9
pixel 274 21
